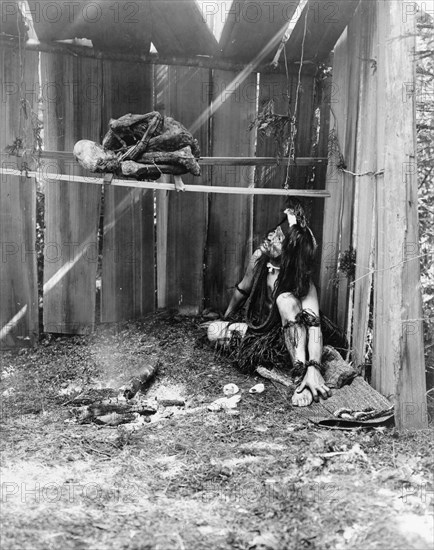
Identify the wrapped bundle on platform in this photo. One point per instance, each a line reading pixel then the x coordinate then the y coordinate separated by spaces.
pixel 143 147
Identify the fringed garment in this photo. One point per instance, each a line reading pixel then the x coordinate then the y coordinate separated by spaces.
pixel 264 343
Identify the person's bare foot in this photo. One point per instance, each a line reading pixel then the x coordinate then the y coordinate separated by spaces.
pixel 311 389
pixel 302 399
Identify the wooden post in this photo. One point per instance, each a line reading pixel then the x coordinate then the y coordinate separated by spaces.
pixel 366 162
pixel 398 362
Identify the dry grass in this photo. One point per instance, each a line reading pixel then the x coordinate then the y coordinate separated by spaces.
pixel 198 481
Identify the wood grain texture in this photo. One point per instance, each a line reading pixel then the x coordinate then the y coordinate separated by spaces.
pixel 229 229
pixel 344 297
pixel 18 277
pixel 322 108
pixel 128 264
pixel 12 21
pixel 119 26
pixel 179 28
pixel 251 25
pixel 71 112
pixel 268 211
pixel 161 80
pixel 398 360
pixel 325 23
pixel 221 161
pixel 366 161
pixel 334 181
pixel 128 282
pixel 185 97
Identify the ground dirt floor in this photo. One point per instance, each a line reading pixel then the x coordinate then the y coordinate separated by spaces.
pixel 257 477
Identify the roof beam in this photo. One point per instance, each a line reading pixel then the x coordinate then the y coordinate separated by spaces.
pixel 324 24
pixel 203 62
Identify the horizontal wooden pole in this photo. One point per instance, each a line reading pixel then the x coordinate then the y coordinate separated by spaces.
pixel 259 161
pixel 200 61
pixel 315 193
pixel 214 161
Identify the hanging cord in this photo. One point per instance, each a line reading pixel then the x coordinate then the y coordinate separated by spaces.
pixel 293 127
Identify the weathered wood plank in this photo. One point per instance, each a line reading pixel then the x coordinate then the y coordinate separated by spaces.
pixel 186 96
pixel 160 185
pixel 322 105
pixel 162 203
pixel 366 161
pixel 128 255
pixel 12 21
pixel 218 161
pixel 128 265
pixel 151 58
pixel 344 297
pixel 268 211
pixel 325 23
pixel 302 174
pixel 252 24
pixel 71 208
pixel 178 27
pixel 18 276
pixel 120 26
pixel 398 362
pixel 229 228
pixel 338 214
pixel 334 180
pixel 160 76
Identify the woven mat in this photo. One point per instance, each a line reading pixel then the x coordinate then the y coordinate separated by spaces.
pixel 358 395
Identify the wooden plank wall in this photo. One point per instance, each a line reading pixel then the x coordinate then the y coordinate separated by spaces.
pixel 71 112
pixel 18 277
pixel 161 83
pixel 323 96
pixel 229 239
pixel 268 211
pixel 338 212
pixel 80 95
pixel 128 264
pixel 398 359
pixel 182 221
pixel 354 61
pixel 334 181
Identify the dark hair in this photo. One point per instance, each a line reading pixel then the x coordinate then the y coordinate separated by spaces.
pixel 297 260
pixel 297 207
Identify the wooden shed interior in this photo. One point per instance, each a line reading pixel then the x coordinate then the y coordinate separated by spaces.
pixel 213 66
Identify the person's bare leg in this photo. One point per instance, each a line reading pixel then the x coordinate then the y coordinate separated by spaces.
pixel 295 340
pixel 313 379
pixel 221 331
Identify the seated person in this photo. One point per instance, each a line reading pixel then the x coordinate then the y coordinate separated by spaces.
pixel 283 325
